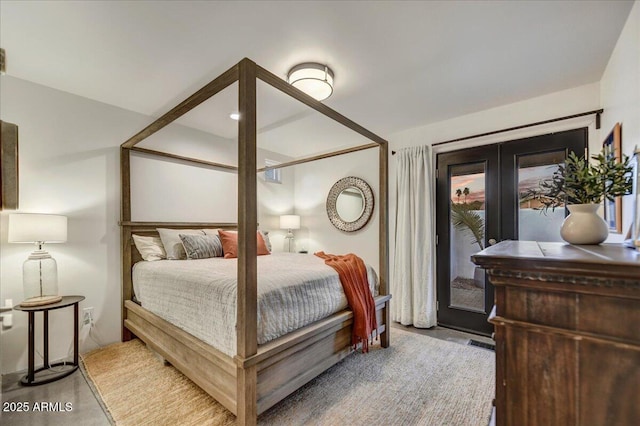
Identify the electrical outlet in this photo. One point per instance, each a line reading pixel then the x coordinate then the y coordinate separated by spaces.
pixel 87 316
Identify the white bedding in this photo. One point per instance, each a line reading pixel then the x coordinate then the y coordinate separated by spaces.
pixel 199 296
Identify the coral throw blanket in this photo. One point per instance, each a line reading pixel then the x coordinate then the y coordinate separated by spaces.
pixel 353 276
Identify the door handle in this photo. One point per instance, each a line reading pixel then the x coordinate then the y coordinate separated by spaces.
pixel 492 241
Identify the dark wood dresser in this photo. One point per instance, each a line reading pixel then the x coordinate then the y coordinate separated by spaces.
pixel 567 332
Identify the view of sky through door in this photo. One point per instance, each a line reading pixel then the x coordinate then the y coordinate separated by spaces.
pixel 534 223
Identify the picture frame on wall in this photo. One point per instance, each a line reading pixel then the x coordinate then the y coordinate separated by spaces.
pixel 633 236
pixel 612 146
pixel 8 166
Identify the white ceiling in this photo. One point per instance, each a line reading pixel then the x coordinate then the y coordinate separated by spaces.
pixel 397 64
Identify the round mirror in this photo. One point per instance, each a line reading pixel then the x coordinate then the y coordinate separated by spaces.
pixel 350 204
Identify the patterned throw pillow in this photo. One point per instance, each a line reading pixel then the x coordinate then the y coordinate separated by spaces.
pixel 201 246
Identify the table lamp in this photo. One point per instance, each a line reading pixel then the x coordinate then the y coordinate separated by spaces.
pixel 289 222
pixel 39 271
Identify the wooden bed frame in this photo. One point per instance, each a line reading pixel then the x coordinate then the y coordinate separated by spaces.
pixel 258 376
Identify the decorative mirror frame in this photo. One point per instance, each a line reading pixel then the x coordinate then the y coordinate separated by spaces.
pixel 332 199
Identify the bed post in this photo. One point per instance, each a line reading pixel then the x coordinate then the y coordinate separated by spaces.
pixel 384 239
pixel 247 313
pixel 125 235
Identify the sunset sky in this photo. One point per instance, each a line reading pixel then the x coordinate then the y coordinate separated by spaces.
pixel 474 182
pixel 528 178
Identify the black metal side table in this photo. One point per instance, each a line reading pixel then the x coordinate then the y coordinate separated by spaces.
pixel 30 379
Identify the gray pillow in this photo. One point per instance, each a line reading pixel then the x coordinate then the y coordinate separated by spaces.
pixel 202 246
pixel 265 237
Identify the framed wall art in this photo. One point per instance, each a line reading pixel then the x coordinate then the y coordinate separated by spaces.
pixel 612 146
pixel 633 236
pixel 8 166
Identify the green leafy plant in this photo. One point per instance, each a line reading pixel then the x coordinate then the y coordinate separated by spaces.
pixel 578 181
pixel 466 220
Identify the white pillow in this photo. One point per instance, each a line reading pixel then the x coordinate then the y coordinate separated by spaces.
pixel 172 242
pixel 150 248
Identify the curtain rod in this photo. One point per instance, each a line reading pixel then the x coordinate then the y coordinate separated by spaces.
pixel 597 112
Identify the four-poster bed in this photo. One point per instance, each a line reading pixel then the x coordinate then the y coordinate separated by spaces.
pixel 258 376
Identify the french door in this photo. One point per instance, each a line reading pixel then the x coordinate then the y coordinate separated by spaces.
pixel 480 200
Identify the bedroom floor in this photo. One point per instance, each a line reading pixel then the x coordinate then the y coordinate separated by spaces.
pixel 85 409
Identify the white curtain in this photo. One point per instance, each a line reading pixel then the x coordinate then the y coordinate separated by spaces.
pixel 413 284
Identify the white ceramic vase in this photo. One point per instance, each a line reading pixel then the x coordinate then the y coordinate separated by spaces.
pixel 584 225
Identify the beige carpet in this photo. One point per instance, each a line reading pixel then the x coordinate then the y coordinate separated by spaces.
pixel 419 380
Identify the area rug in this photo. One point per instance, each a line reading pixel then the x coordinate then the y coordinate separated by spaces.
pixel 418 380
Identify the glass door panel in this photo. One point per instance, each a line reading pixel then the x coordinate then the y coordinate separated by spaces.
pixel 467 204
pixel 534 224
pixel 467 212
pixel 523 163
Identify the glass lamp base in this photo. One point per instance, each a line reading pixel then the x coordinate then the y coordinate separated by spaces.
pixel 41 300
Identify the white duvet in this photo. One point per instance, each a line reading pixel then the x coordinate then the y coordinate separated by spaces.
pixel 199 296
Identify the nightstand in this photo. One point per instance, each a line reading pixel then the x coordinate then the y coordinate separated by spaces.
pixel 49 374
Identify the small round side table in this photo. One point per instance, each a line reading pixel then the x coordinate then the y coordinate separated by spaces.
pixel 51 375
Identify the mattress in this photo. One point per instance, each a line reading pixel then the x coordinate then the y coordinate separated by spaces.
pixel 199 296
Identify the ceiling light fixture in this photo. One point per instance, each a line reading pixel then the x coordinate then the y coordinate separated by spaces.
pixel 234 116
pixel 316 80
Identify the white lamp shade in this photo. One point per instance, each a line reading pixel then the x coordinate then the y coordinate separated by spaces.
pixel 290 221
pixel 31 228
pixel 316 80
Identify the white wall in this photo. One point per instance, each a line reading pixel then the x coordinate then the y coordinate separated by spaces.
pixel 189 192
pixel 69 164
pixel 195 193
pixel 215 189
pixel 620 97
pixel 557 104
pixel 313 182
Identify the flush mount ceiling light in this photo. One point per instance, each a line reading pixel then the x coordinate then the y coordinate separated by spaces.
pixel 234 116
pixel 316 80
